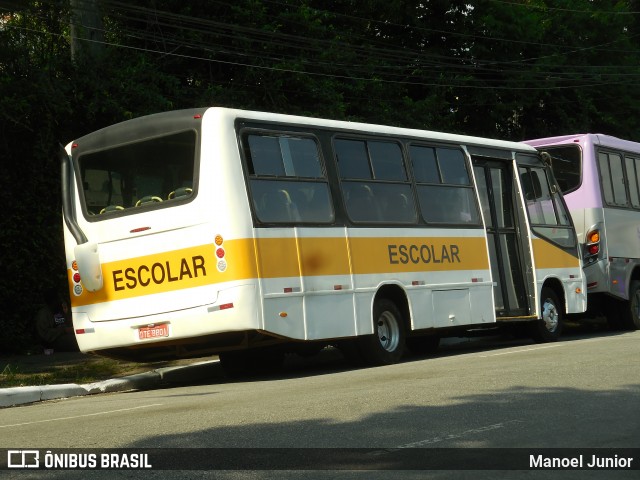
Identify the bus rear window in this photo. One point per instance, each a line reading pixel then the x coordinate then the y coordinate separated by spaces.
pixel 136 175
pixel 566 162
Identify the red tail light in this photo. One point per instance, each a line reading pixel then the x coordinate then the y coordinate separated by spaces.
pixel 592 245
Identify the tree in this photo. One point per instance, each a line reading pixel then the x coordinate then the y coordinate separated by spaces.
pixel 496 68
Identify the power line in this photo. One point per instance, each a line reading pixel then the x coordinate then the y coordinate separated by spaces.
pixel 410 73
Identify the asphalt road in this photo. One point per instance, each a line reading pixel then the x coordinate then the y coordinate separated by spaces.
pixel 583 392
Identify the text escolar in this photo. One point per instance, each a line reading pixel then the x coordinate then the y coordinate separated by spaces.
pixel 423 254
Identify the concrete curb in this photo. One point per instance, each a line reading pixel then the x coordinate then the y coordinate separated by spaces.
pixel 14 396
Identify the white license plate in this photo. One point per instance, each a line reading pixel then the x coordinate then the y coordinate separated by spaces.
pixel 156 331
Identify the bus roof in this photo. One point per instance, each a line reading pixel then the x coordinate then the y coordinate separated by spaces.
pixel 373 128
pixel 594 138
pixel 159 121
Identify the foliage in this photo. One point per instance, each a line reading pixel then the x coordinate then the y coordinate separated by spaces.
pixel 505 69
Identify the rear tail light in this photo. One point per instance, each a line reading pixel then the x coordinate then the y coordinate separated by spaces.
pixel 77 279
pixel 592 245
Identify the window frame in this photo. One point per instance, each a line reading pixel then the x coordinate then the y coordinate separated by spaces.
pixel 80 169
pixel 556 200
pixel 470 186
pixel 625 156
pixel 243 133
pixel 367 183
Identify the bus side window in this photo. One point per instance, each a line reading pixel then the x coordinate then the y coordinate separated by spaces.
pixel 387 195
pixel 612 179
pixel 286 179
pixel 633 177
pixel 362 205
pixel 527 186
pixel 444 187
pixel 277 206
pixel 547 214
pixel 266 158
pixel 397 208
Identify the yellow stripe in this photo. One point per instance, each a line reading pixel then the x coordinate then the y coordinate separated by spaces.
pixel 168 271
pixel 283 257
pixel 547 255
pixel 279 257
pixel 402 254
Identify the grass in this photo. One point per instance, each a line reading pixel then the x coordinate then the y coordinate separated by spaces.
pixel 36 370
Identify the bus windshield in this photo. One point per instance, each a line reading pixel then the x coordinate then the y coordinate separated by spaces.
pixel 566 162
pixel 130 176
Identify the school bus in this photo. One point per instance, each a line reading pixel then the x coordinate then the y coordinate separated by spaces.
pixel 249 234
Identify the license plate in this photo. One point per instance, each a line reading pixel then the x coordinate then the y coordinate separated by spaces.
pixel 156 331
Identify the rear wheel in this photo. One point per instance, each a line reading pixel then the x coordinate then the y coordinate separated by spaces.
pixel 614 311
pixel 387 343
pixel 549 327
pixel 630 311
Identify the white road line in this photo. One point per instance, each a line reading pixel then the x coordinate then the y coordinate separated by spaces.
pixel 523 350
pixel 80 416
pixel 628 335
pixel 447 436
pixel 452 436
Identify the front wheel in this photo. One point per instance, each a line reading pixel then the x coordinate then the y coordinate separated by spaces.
pixel 387 343
pixel 549 327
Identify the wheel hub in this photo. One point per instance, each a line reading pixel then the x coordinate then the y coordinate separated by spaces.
pixel 550 315
pixel 388 332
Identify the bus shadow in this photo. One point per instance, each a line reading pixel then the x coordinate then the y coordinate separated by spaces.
pixel 332 360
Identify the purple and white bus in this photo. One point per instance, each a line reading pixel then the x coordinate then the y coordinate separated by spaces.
pixel 599 176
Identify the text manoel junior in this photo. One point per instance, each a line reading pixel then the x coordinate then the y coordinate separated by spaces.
pixel 540 461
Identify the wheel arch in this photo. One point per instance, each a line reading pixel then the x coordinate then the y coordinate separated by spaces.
pixel 396 294
pixel 635 275
pixel 554 284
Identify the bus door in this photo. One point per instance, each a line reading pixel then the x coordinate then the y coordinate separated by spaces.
pixel 506 240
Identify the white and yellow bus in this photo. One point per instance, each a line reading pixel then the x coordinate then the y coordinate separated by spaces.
pixel 239 233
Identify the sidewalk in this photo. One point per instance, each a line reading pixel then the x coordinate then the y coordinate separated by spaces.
pixel 181 371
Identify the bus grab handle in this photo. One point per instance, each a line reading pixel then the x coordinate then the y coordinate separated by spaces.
pixel 67 207
pixel 86 254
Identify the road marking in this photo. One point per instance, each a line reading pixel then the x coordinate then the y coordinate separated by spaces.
pixel 81 416
pixel 451 436
pixel 523 350
pixel 448 436
pixel 627 335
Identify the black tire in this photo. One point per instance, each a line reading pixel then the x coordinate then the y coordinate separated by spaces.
pixel 549 327
pixel 614 311
pixel 424 345
pixel 630 311
pixel 387 343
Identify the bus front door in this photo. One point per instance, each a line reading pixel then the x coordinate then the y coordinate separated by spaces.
pixel 498 200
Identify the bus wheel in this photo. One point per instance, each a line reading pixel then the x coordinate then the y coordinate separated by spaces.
pixel 630 313
pixel 549 327
pixel 386 345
